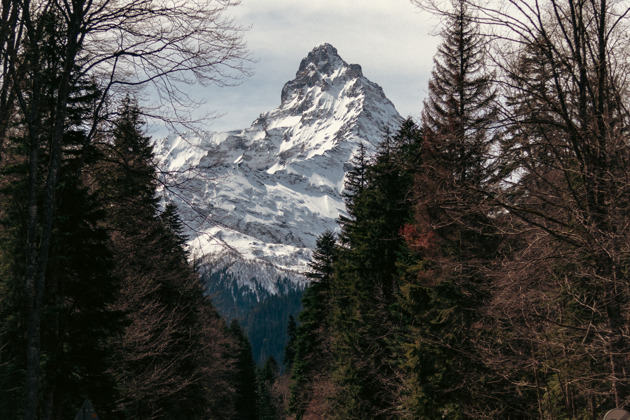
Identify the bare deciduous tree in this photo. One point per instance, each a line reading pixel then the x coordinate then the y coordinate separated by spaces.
pixel 563 69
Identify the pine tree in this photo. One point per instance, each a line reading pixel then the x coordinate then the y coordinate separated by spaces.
pixel 355 182
pixel 289 349
pixel 269 403
pixel 79 318
pixel 460 111
pixel 458 129
pixel 48 83
pixel 13 200
pixel 65 309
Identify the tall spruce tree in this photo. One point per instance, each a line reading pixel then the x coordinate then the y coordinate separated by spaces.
pixel 246 383
pixel 311 361
pixel 79 317
pixel 12 311
pixel 460 109
pixel 269 402
pixel 171 361
pixel 63 315
pixel 78 322
pixel 452 236
pixel 365 376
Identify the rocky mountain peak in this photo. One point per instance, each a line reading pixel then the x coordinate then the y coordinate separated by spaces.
pixel 321 67
pixel 324 59
pixel 254 201
pixel 258 198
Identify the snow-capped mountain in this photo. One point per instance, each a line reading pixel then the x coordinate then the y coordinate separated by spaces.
pixel 256 200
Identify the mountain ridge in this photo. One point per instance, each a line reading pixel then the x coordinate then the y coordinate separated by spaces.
pixel 255 200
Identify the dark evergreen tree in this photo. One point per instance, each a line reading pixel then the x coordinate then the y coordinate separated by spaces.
pixel 246 378
pixel 460 110
pixel 175 228
pixel 452 238
pixel 269 403
pixel 79 318
pixel 365 377
pixel 172 359
pixel 12 257
pixel 289 349
pixel 48 83
pixel 355 182
pixel 65 310
pixel 311 347
pixel 265 323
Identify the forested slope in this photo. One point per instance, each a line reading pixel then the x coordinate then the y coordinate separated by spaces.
pixel 482 270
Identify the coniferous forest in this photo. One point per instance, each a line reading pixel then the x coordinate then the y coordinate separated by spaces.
pixel 482 268
pixel 98 299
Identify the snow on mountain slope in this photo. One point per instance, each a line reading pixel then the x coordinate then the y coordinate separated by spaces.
pixel 256 200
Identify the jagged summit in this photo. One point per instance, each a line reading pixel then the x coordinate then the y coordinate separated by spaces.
pixel 261 196
pixel 320 67
pixel 325 60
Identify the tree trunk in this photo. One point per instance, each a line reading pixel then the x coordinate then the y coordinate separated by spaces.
pixel 38 254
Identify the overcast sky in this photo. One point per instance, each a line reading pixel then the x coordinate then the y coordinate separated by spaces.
pixel 392 40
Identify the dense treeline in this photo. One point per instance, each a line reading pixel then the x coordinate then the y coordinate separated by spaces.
pixel 482 270
pixel 125 321
pixel 263 316
pixel 98 299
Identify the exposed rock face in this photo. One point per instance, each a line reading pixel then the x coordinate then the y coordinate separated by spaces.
pixel 256 200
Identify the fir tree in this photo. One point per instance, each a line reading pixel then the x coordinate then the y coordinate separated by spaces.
pixel 355 182
pixel 246 378
pixel 67 307
pixel 269 404
pixel 79 316
pixel 460 110
pixel 312 347
pixel 365 377
pixel 289 349
pixel 452 237
pixel 172 358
